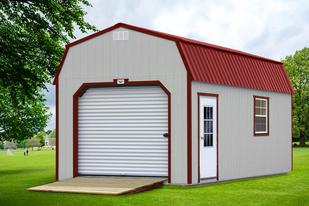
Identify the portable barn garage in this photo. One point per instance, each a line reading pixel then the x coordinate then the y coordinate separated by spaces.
pixel 137 102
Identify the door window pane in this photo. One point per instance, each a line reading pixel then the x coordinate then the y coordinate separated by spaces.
pixel 208 126
pixel 208 140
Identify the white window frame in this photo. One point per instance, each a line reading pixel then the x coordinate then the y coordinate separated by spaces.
pixel 266 100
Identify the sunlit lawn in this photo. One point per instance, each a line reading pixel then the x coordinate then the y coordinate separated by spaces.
pixel 17 173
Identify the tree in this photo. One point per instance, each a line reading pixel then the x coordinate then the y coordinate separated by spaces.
pixel 297 66
pixel 21 144
pixel 41 136
pixel 10 145
pixel 23 118
pixel 32 36
pixel 33 142
pixel 52 134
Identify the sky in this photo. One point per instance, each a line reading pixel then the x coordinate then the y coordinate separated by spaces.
pixel 269 28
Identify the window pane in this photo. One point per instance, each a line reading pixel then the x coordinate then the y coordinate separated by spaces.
pixel 260 120
pixel 263 111
pixel 208 126
pixel 260 124
pixel 211 126
pixel 260 128
pixel 258 103
pixel 208 140
pixel 260 111
pixel 210 113
pixel 257 111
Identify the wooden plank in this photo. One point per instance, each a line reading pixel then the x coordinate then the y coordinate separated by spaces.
pixel 102 185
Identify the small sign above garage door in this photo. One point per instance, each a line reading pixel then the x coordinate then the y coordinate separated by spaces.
pixel 123 131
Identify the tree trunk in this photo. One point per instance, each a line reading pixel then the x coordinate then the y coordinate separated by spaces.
pixel 302 140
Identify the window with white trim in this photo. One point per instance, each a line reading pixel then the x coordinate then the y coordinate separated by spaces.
pixel 261 115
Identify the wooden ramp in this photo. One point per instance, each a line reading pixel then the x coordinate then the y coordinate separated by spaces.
pixel 102 185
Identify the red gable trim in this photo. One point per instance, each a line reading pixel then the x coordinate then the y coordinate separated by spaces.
pixel 238 56
pixel 67 47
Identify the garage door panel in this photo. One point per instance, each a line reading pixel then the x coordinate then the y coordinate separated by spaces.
pixel 124 121
pixel 121 103
pixel 113 134
pixel 120 131
pixel 124 143
pixel 122 115
pixel 123 161
pixel 147 129
pixel 120 155
pixel 120 150
pixel 155 125
pixel 127 168
pixel 144 112
pixel 124 147
pixel 124 135
pixel 128 173
pixel 127 144
pixel 129 100
pixel 116 91
pixel 124 107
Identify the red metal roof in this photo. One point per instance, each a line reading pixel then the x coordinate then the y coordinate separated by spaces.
pixel 215 64
pixel 220 67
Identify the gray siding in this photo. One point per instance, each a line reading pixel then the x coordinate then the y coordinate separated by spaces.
pixel 142 57
pixel 241 154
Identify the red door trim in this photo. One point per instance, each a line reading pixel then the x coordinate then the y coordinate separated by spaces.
pixel 199 94
pixel 87 85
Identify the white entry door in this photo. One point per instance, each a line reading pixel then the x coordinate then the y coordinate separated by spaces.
pixel 208 136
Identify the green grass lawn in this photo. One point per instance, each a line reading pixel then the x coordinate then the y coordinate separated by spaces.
pixel 17 173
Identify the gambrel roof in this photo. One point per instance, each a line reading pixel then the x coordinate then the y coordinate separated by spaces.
pixel 215 64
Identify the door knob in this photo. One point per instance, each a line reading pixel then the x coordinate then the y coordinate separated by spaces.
pixel 165 135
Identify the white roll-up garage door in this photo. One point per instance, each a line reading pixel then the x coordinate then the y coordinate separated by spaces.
pixel 121 131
